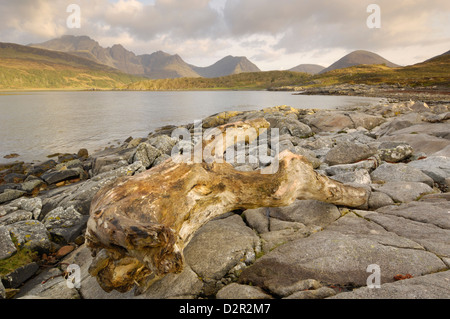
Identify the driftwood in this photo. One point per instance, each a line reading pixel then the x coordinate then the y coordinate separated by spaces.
pixel 139 226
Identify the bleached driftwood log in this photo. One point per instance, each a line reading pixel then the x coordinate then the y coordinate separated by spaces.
pixel 139 226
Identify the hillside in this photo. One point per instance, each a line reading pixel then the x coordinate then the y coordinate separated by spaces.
pixel 433 72
pixel 359 57
pixel 158 65
pixel 227 66
pixel 307 68
pixel 23 67
pixel 241 81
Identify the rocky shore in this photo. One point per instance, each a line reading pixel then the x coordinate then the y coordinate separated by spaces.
pixel 399 151
pixel 394 93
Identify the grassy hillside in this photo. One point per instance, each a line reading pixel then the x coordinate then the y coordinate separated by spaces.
pixel 241 81
pixel 432 72
pixel 23 67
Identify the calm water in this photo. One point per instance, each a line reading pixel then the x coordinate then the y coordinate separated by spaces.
pixel 36 124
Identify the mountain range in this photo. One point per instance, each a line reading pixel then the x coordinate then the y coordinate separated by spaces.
pixel 158 65
pixel 161 65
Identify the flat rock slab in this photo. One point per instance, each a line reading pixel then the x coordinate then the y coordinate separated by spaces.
pixel 403 192
pixel 400 173
pixel 219 246
pixel 340 255
pixel 436 167
pixel 432 286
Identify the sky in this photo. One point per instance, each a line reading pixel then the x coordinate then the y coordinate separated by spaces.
pixel 273 34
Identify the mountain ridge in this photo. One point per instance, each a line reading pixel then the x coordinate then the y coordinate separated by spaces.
pixel 157 65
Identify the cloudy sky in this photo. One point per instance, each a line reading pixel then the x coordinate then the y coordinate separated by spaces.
pixel 274 34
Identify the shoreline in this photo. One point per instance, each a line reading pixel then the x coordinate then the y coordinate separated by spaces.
pixel 400 153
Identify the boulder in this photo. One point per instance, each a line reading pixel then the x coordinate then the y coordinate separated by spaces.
pixel 368 165
pixel 360 176
pixel 394 151
pixel 403 192
pixel 146 154
pixel 10 194
pixel 15 217
pixel 7 247
pixel 237 244
pixel 164 143
pixel 378 200
pixel 420 142
pixel 321 293
pixel 64 225
pixel 436 167
pixel 31 234
pixel 433 238
pixel 400 173
pixel 307 212
pixel 54 176
pixel 348 152
pixel 325 121
pixel 20 275
pixel 340 255
pixel 289 125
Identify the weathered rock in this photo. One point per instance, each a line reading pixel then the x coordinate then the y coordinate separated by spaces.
pixel 360 176
pixel 436 167
pixel 10 194
pixel 432 286
pixel 348 152
pixel 310 155
pixel 324 121
pixel 164 143
pixel 236 242
pixel 7 247
pixel 146 154
pixel 55 176
pixel 420 142
pixel 237 291
pixel 399 173
pixel 340 255
pixel 64 224
pixel 185 285
pixel 307 212
pixel 31 234
pixel 394 151
pixel 369 165
pixel 39 169
pixel 31 185
pixel 33 205
pixel 20 275
pixel 15 217
pixel 14 178
pixel 403 192
pixel 378 199
pixel 80 195
pixel 289 125
pixel 49 284
pixel 258 219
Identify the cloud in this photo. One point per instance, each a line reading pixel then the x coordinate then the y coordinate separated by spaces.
pixel 266 30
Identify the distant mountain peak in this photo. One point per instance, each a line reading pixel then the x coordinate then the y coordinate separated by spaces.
pixel 307 68
pixel 359 57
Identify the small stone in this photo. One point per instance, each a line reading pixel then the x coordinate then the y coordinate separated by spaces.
pixel 83 153
pixel 10 194
pixel 63 251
